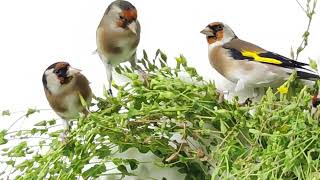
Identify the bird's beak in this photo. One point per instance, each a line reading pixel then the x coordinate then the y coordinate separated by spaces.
pixel 133 27
pixel 73 71
pixel 207 31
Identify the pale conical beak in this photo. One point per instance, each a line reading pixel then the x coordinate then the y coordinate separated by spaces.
pixel 73 71
pixel 133 27
pixel 207 31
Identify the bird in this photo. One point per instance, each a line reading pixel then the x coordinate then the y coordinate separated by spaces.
pixel 118 36
pixel 248 65
pixel 63 86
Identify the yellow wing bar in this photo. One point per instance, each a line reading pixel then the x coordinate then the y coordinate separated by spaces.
pixel 258 58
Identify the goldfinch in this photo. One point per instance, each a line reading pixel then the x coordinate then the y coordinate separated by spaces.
pixel 118 36
pixel 63 86
pixel 248 65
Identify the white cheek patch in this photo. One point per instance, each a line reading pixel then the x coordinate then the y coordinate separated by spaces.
pixel 113 16
pixel 116 9
pixel 53 83
pixel 114 12
pixel 214 45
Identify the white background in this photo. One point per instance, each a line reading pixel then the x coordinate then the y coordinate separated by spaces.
pixel 36 33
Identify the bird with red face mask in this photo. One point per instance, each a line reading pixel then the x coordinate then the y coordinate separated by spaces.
pixel 118 36
pixel 63 86
pixel 248 65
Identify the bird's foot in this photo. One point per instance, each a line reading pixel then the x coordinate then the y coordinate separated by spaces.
pixel 247 102
pixel 110 92
pixel 64 136
pixel 221 95
pixel 143 76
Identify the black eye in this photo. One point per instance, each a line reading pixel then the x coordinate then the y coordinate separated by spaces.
pixel 121 17
pixel 58 71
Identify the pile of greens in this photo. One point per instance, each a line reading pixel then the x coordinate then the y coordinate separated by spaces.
pixel 274 138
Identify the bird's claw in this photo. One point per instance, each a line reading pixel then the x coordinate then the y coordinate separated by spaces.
pixel 110 92
pixel 143 76
pixel 248 101
pixel 63 136
pixel 221 95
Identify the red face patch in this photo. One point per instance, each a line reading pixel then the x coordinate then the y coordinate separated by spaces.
pixel 60 70
pixel 126 17
pixel 130 14
pixel 218 37
pixel 315 101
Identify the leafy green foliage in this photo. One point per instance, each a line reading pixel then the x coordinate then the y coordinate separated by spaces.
pixel 275 138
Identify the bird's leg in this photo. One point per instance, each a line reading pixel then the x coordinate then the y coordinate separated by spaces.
pixel 239 86
pixel 221 95
pixel 133 61
pixel 66 128
pixel 109 76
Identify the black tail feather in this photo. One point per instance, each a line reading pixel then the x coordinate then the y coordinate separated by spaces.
pixel 307 76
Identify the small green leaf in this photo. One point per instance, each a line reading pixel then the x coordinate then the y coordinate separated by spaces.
pixel 6 113
pixel 19 150
pixel 132 112
pixel 192 71
pixel 133 163
pixel 82 100
pixel 313 64
pixel 163 56
pixel 41 123
pixel 201 124
pixel 3 133
pixel 145 55
pixel 94 171
pixel 118 70
pixel 157 53
pixel 51 122
pixel 10 163
pixel 103 152
pixel 5 149
pixel 254 131
pixel 31 111
pixel 223 128
pixel 123 169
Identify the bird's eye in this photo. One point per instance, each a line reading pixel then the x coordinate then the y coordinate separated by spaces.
pixel 121 17
pixel 58 71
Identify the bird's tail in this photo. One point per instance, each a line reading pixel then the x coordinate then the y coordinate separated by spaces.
pixel 304 73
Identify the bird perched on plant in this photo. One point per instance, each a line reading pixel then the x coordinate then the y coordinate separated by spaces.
pixel 118 36
pixel 248 65
pixel 64 86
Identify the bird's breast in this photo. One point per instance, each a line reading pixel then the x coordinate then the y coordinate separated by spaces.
pixel 67 104
pixel 116 47
pixel 220 60
pixel 73 107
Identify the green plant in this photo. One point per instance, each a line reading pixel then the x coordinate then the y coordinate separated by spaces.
pixel 276 138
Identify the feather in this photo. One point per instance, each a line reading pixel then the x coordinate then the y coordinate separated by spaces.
pixel 242 50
